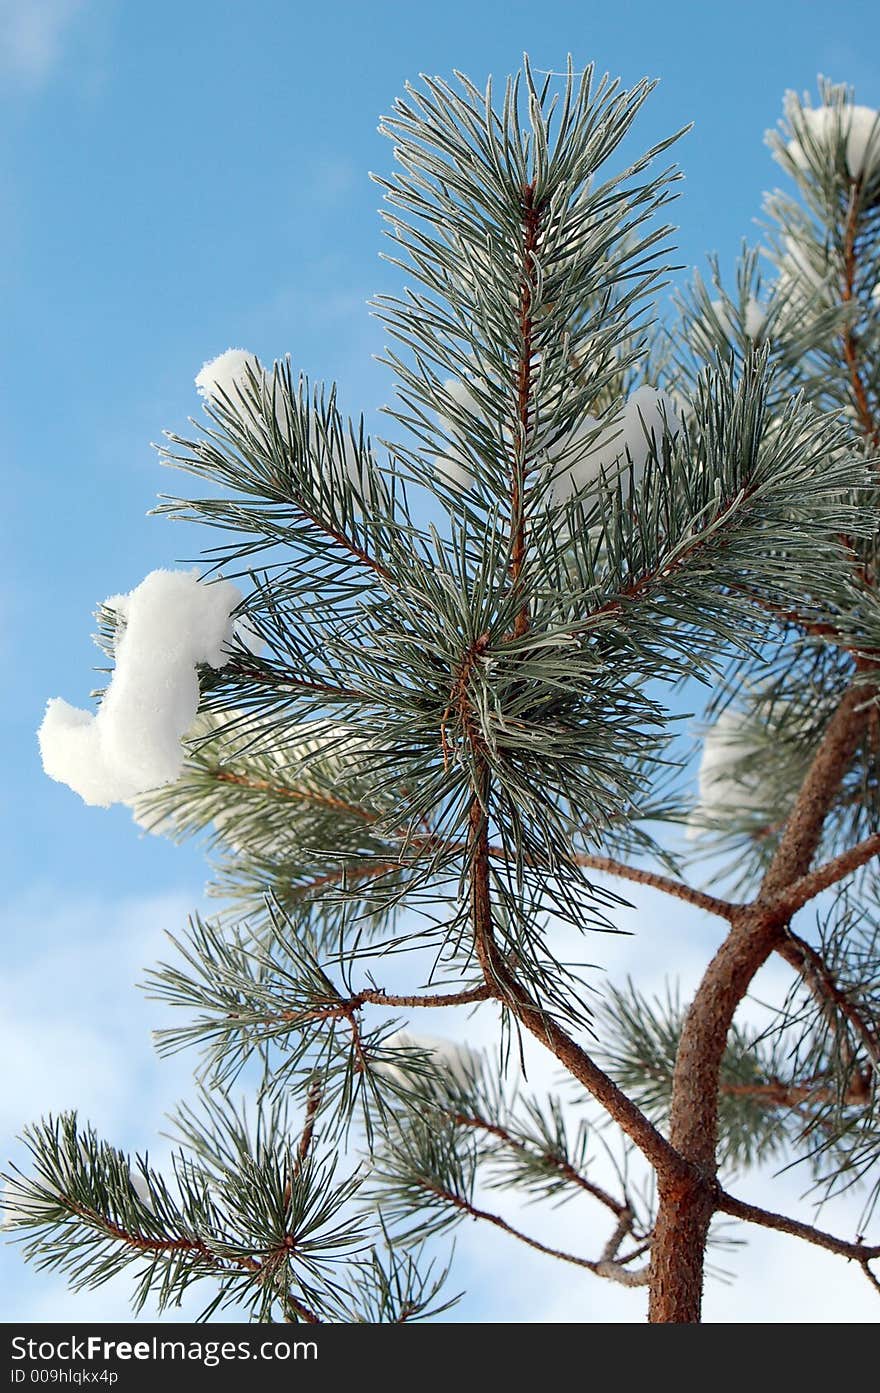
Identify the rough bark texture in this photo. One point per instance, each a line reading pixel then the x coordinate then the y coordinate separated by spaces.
pixel 686 1208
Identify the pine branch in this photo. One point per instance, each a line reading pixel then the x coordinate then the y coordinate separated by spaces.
pixel 604 1267
pixel 531 222
pixel 765 1218
pixel 201 1254
pixel 504 985
pixel 559 1163
pixel 801 891
pixel 850 351
pixel 724 909
pixel 295 795
pixel 832 998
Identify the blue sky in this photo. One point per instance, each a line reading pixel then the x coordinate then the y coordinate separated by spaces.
pixel 179 178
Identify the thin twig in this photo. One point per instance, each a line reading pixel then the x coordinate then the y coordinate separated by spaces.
pixel 559 1163
pixel 459 1202
pixel 313 1103
pixel 602 1268
pixel 196 1247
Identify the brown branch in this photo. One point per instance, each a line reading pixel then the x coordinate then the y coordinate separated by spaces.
pixel 616 1272
pixel 871 1276
pixel 458 696
pixel 531 223
pixel 602 1268
pixel 821 980
pixel 345 1009
pixel 850 350
pixel 686 1209
pixel 466 998
pixel 621 1231
pixel 560 1163
pixel 803 829
pixel 305 1314
pixel 506 987
pixel 313 1103
pixel 757 930
pixel 751 1214
pixel 801 891
pixel 459 1202
pixel 195 1246
pixel 793 1095
pixel 723 908
pixel 297 795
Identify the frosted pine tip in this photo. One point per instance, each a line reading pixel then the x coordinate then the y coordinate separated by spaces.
pixel 754 318
pixel 857 126
pixel 228 374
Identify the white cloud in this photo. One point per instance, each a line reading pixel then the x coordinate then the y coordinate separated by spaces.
pixel 75 1033
pixel 32 36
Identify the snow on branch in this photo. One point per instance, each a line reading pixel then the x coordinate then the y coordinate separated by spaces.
pixel 171 623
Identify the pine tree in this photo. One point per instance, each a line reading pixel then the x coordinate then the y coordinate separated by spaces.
pixel 440 698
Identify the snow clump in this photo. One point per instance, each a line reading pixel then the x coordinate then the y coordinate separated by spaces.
pixel 172 623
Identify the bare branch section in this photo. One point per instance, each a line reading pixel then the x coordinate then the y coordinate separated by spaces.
pixel 766 1219
pixel 685 1213
pixel 825 987
pixel 793 898
pixel 804 827
pixel 603 1267
pixel 313 1103
pixel 724 909
pixel 471 997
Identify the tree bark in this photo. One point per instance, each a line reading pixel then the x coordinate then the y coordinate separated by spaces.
pixel 686 1208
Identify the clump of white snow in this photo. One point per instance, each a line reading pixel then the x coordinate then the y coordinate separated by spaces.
pixel 228 375
pixel 141 1189
pixel 725 745
pixel 172 623
pixel 725 787
pixel 15 1207
pixel 227 379
pixel 857 127
pixel 454 467
pixel 647 417
pixel 754 318
pixel 458 1062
